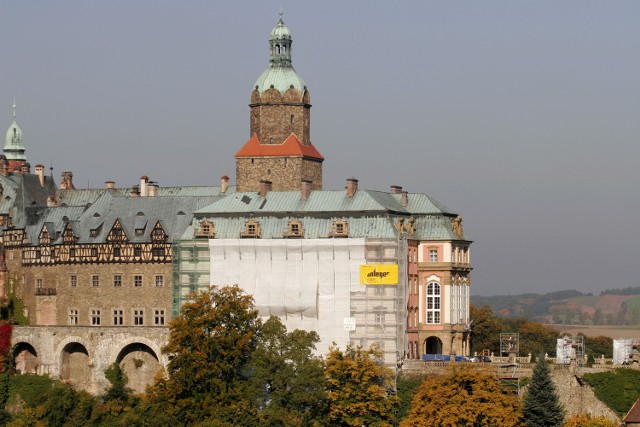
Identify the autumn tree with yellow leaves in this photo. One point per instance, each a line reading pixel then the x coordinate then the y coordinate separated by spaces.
pixel 465 396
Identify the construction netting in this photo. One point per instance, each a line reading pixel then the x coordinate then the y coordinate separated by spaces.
pixel 314 284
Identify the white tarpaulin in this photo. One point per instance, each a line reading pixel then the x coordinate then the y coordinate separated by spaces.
pixel 305 282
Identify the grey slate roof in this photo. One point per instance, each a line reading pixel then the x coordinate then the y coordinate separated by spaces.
pixel 328 201
pixel 174 213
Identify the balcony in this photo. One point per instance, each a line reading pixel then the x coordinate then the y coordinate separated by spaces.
pixel 45 291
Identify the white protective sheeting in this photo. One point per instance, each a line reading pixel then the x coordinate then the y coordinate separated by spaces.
pixel 622 349
pixel 564 351
pixel 305 282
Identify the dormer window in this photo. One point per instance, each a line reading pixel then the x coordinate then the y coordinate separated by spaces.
pixel 294 229
pixel 158 234
pixel 339 228
pixel 251 229
pixel 206 229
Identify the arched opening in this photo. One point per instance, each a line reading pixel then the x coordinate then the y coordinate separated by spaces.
pixel 75 366
pixel 433 345
pixel 140 363
pixel 25 359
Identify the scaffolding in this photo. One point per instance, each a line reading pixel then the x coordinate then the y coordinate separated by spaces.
pixel 510 344
pixel 626 351
pixel 570 348
pixel 310 284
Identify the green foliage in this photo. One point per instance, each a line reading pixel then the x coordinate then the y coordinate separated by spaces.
pixel 118 390
pixel 406 388
pixel 631 290
pixel 359 388
pixel 618 389
pixel 542 406
pixel 29 389
pixel 12 309
pixel 287 379
pixel 63 406
pixel 210 345
pixel 4 388
pixel 466 395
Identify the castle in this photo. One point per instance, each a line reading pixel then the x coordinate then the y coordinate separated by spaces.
pixel 97 274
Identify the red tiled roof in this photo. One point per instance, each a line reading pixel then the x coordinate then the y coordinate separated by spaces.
pixel 633 416
pixel 291 147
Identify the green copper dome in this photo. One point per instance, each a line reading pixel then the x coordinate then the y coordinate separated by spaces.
pixel 280 74
pixel 13 147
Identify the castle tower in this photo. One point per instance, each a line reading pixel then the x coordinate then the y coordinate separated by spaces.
pixel 280 148
pixel 13 148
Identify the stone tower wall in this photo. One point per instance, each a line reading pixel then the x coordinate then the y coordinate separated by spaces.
pixel 274 117
pixel 285 173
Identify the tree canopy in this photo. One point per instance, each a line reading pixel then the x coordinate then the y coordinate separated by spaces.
pixel 542 406
pixel 465 396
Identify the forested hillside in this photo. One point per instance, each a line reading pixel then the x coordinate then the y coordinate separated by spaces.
pixel 611 307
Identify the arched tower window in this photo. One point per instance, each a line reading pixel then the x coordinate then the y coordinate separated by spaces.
pixel 433 303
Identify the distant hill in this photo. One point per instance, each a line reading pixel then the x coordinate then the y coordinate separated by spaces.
pixel 611 307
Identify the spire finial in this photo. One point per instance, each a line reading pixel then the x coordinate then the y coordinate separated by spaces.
pixel 14 108
pixel 281 13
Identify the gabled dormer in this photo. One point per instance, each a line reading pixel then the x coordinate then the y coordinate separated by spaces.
pixel 117 233
pixel 68 235
pixel 158 234
pixel 45 237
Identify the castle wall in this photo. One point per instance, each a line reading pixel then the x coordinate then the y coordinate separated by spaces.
pixel 79 355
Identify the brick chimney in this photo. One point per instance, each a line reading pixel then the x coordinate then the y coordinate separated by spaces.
pixel 224 183
pixel 110 185
pixel 396 189
pixel 25 168
pixel 135 191
pixel 143 185
pixel 40 173
pixel 305 189
pixel 52 202
pixel 265 187
pixel 404 199
pixel 152 189
pixel 352 187
pixel 66 183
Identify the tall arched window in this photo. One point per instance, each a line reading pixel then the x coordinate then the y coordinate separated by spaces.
pixel 433 303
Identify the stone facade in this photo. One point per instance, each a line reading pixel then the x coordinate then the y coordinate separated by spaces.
pixel 79 355
pixel 274 117
pixel 285 173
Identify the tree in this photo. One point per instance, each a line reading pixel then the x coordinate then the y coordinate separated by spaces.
pixel 359 387
pixel 542 406
pixel 465 396
pixel 210 345
pixel 288 380
pixel 588 421
pixel 118 390
pixel 485 329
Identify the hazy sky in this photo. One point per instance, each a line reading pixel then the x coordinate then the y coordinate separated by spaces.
pixel 522 116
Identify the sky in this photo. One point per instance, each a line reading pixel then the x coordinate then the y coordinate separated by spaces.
pixel 521 116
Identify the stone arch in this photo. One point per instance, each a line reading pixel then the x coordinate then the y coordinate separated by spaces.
pixel 306 97
pixel 75 364
pixel 25 358
pixel 255 97
pixel 271 96
pixel 140 363
pixel 433 345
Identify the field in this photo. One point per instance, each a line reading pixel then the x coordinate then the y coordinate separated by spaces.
pixel 598 330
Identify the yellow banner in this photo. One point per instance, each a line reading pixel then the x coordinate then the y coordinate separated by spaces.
pixel 379 274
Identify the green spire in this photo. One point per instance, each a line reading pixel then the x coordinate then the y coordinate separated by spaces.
pixel 280 74
pixel 13 147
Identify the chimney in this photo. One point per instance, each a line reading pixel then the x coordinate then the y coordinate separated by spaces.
pixel 224 183
pixel 40 173
pixel 143 185
pixel 404 199
pixel 52 202
pixel 396 189
pixel 4 165
pixel 110 185
pixel 152 189
pixel 352 187
pixel 25 168
pixel 135 191
pixel 66 183
pixel 305 189
pixel 265 187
